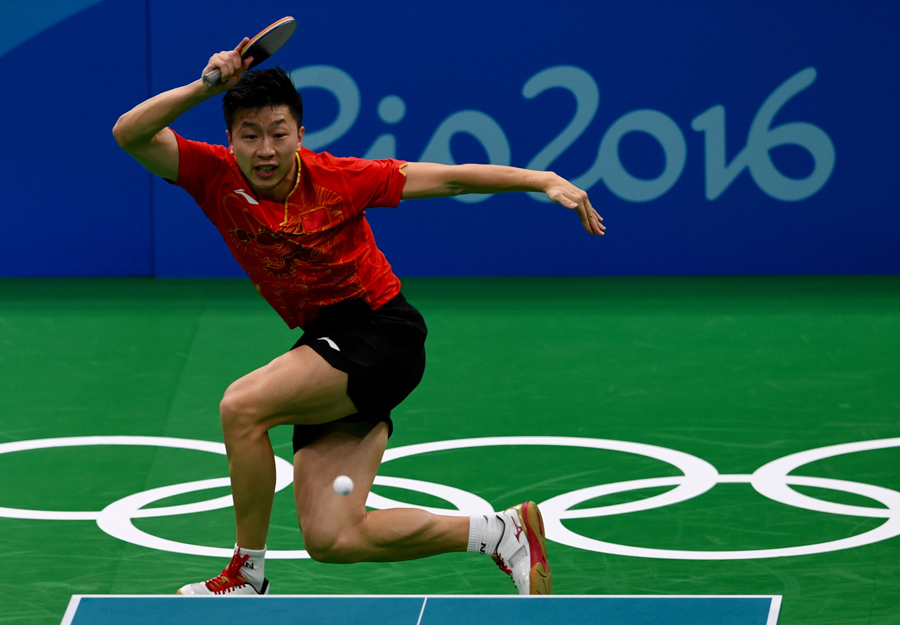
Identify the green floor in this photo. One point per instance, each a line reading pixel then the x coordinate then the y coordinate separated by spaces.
pixel 735 371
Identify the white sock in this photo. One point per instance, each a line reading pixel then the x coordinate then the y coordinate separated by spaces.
pixel 485 532
pixel 254 569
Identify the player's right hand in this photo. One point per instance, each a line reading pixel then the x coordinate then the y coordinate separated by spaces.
pixel 230 65
pixel 567 194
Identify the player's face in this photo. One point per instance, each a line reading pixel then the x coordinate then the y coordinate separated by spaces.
pixel 264 141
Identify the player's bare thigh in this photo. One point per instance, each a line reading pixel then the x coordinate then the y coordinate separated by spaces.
pixel 298 387
pixel 352 449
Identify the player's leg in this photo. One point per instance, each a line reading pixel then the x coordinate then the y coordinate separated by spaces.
pixel 340 529
pixel 298 387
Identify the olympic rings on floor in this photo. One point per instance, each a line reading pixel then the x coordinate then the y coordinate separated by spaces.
pixel 772 480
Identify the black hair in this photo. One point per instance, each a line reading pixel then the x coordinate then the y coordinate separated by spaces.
pixel 263 87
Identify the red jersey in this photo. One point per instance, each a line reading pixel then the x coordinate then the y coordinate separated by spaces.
pixel 316 248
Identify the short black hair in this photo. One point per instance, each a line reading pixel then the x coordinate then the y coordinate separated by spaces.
pixel 263 87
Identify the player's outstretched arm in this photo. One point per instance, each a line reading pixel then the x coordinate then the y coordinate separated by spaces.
pixel 427 180
pixel 143 131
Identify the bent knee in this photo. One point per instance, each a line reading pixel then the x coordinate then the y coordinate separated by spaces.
pixel 239 411
pixel 329 547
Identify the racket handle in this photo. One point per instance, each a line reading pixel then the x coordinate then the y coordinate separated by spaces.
pixel 211 78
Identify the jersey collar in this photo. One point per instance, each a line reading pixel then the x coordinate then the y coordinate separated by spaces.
pixel 287 200
pixel 297 181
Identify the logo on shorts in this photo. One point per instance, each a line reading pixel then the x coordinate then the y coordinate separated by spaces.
pixel 331 343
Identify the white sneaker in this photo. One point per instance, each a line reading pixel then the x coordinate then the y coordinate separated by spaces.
pixel 522 552
pixel 229 582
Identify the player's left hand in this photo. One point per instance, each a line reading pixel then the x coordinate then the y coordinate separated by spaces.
pixel 564 192
pixel 231 67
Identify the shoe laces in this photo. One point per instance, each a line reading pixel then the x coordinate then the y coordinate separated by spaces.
pixel 501 564
pixel 231 577
pixel 498 559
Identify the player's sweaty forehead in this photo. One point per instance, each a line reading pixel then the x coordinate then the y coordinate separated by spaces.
pixel 265 117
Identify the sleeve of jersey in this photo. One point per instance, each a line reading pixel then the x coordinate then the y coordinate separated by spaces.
pixel 374 183
pixel 198 167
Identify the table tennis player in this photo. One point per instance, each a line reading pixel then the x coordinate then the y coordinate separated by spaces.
pixel 295 222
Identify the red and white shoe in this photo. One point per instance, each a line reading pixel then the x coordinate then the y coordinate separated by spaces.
pixel 522 552
pixel 229 582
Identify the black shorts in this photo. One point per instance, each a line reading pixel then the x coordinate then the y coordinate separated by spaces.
pixel 382 351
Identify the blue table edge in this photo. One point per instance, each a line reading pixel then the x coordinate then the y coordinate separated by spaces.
pixel 774 606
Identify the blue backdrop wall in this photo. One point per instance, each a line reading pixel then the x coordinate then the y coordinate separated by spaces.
pixel 721 138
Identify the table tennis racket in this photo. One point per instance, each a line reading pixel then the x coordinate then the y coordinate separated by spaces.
pixel 261 47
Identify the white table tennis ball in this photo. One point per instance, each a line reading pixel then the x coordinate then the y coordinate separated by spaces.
pixel 343 485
